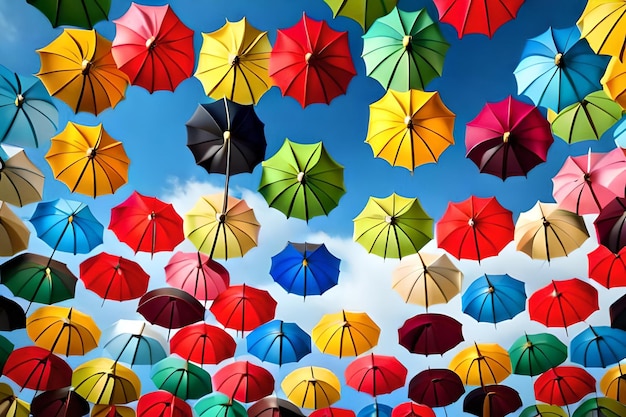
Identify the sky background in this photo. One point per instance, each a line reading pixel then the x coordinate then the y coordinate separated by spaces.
pixel 477 70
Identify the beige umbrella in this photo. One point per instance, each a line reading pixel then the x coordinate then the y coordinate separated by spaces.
pixel 21 182
pixel 13 232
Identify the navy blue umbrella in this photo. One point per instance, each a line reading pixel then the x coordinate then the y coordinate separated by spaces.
pixel 494 298
pixel 598 346
pixel 279 342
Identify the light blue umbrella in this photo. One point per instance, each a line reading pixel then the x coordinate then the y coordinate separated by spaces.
pixel 218 405
pixel 375 410
pixel 494 298
pixel 279 342
pixel 598 346
pixel 557 69
pixel 619 134
pixel 134 342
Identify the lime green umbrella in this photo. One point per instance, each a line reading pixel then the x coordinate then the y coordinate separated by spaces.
pixel 181 378
pixel 218 405
pixel 601 406
pixel 533 354
pixel 302 180
pixel 543 410
pixel 404 50
pixel 362 11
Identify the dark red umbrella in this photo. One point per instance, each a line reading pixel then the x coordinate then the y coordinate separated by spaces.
pixel 113 277
pixel 436 387
pixel 607 268
pixel 274 407
pixel 170 308
pixel 12 315
pixel 476 228
pixel 375 374
pixel 203 344
pixel 62 402
pixel 508 138
pixel 162 404
pixel 611 225
pixel 617 312
pixel 197 274
pixel 332 412
pixel 242 307
pixel 563 385
pixel 37 368
pixel 492 401
pixel 411 409
pixel 430 334
pixel 244 381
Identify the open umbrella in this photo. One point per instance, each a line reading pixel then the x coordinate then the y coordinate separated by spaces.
pixel 278 342
pixel 375 410
pixel 12 316
pixel 14 234
pixel 617 312
pixel 84 14
pixel 332 412
pixel 436 387
pixel 345 333
pixel 217 404
pixel 614 81
pixel 543 410
pixel 197 274
pixel 274 407
pixel 10 405
pixel 492 401
pixel 605 407
pixel 181 378
pixel 242 307
pixel 113 277
pixel 411 409
pixel 364 12
pixel 6 348
pixel 468 16
pixel 170 308
pixel 203 344
pixel 112 410
pixel 133 342
pixel 37 368
pixel 311 387
pixel 104 381
pixel 62 402
pixel 598 347
pixel 607 268
pixel 564 385
pixel 533 354
pixel 21 182
pixel 482 364
pixel 494 298
pixel 430 334
pixel 162 404
pixel 613 383
pixel 610 225
pixel 243 381
pixel 601 24
pixel 375 374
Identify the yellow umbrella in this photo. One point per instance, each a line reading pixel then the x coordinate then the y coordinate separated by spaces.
pixel 10 405
pixel 233 63
pixel 104 381
pixel 104 410
pixel 78 68
pixel 312 387
pixel 62 330
pixel 546 231
pixel 21 182
pixel 88 160
pixel 410 128
pixel 614 81
pixel 222 230
pixel 613 384
pixel 603 25
pixel 13 232
pixel 345 333
pixel 482 364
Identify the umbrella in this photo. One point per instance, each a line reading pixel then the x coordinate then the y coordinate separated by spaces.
pixel 468 16
pixel 278 342
pixel 170 308
pixel 222 230
pixel 28 116
pixel 10 405
pixel 203 344
pixel 305 268
pixel 494 298
pixel 605 407
pixel 393 227
pixel 21 182
pixel 345 333
pixel 613 383
pixel 482 364
pixel 410 128
pixel 162 404
pixel 619 134
pixel 197 274
pixel 610 225
pixel 62 402
pixel 426 279
pixel 533 354
pixel 274 407
pixel 6 348
pixel 601 24
pixel 12 316
pixel 404 50
pixel 543 410
pixel 181 378
pixel 88 160
pixel 242 307
pixel 14 234
pixel 133 342
pixel 375 374
pixel 375 410
pixel 311 62
pixel 153 47
pixel 78 68
pixel 508 138
pixel 430 334
pixel 547 231
pixel 364 12
pixel 476 228
pixel 244 381
pixel 436 387
pixel 112 410
pixel 564 385
pixel 147 224
pixel 492 401
pixel 63 330
pixel 613 81
pixel 302 180
pixel 411 409
pixel 598 346
pixel 332 412
pixel 607 268
pixel 37 368
pixel 218 405
pixel 233 63
pixel 617 312
pixel 311 387
pixel 557 68
pixel 84 14
pixel 113 277
pixel 104 381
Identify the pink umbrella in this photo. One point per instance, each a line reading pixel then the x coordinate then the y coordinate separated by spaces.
pixel 197 274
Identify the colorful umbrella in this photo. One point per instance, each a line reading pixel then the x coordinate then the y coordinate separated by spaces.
pixel 375 374
pixel 14 234
pixel 619 134
pixel 613 383
pixel 12 316
pixel 430 334
pixel 375 410
pixel 311 62
pixel 162 404
pixel 617 312
pixel 197 274
pixel 482 364
pixel 610 225
pixel 133 342
pixel 244 381
pixel 436 387
pixel 311 387
pixel 302 180
pixel 411 409
pixel 607 268
pixel 598 347
pixel 404 50
pixel 62 402
pixel 605 407
pixel 494 298
pixel 533 354
pixel 21 182
pixel 10 405
pixel 613 81
pixel 84 14
pixel 468 16
pixel 37 368
pixel 170 308
pixel 564 385
pixel 492 401
pixel 345 333
pixel 6 348
pixel 153 47
pixel 278 342
pixel 218 405
pixel 112 410
pixel 104 381
pixel 364 12
pixel 274 407
pixel 332 412
pixel 203 344
pixel 601 24
pixel 181 378
pixel 242 307
pixel 113 277
pixel 543 410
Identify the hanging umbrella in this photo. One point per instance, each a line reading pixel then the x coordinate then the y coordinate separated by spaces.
pixel 62 402
pixel 375 374
pixel 410 128
pixel 430 334
pixel 10 405
pixel 547 231
pixel 364 12
pixel 88 160
pixel 411 409
pixel 21 182
pixel 104 381
pixel 607 268
pixel 543 410
pixel 112 410
pixel 181 378
pixel 332 412
pixel 311 62
pixel 613 81
pixel 564 385
pixel 37 368
pixel 28 116
pixel 6 348
pixel 613 383
pixel 508 138
pixel 147 224
pixel 311 387
pixel 244 381
pixel 617 312
pixel 12 316
pixel 170 308
pixel 610 225
pixel 404 50
pixel 114 278
pixel 305 268
pixel 14 234
pixel 218 405
pixel 242 307
pixel 601 25
pixel 278 342
pixel 133 342
pixel 233 63
pixel 274 407
pixel 375 410
pixel 426 279
pixel 492 401
pixel 468 16
pixel 619 135
pixel 598 347
pixel 393 227
pixel 482 364
pixel 197 274
pixel 533 354
pixel 162 404
pixel 203 344
pixel 494 298
pixel 302 180
pixel 436 387
pixel 605 407
pixel 78 68
pixel 153 47
pixel 557 69
pixel 476 228
pixel 345 333
pixel 84 14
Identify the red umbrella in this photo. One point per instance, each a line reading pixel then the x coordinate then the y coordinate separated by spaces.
pixel 436 387
pixel 332 412
pixel 170 308
pixel 162 404
pixel 274 407
pixel 37 368
pixel 492 401
pixel 483 17
pixel 375 374
pixel 564 385
pixel 476 228
pixel 311 62
pixel 203 344
pixel 608 268
pixel 411 409
pixel 508 138
pixel 153 47
pixel 611 225
pixel 62 402
pixel 430 334
pixel 113 277
pixel 244 381
pixel 147 224
pixel 197 274
pixel 242 307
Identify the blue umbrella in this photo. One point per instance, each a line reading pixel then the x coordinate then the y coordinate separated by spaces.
pixel 557 69
pixel 598 346
pixel 375 410
pixel 305 269
pixel 494 298
pixel 619 134
pixel 67 226
pixel 134 342
pixel 279 342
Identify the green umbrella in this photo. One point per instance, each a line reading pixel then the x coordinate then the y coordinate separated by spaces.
pixel 543 410
pixel 218 405
pixel 602 406
pixel 80 13
pixel 181 378
pixel 404 50
pixel 536 353
pixel 6 347
pixel 302 180
pixel 365 12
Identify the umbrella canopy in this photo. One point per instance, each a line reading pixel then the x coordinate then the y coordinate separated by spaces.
pixel 482 364
pixel 203 344
pixel 234 61
pixel 302 180
pixel 494 298
pixel 605 407
pixel 197 274
pixel 404 50
pixel 133 342
pixel 332 412
pixel 393 227
pixel 345 333
pixel 564 385
pixel 278 342
pixel 78 68
pixel 153 47
pixel 21 182
pixel 375 410
pixel 410 128
pixel 113 277
pixel 104 381
pixel 602 25
pixel 610 225
pixel 364 12
pixel 162 404
pixel 84 14
pixel 274 407
pixel 218 405
pixel 311 387
pixel 170 308
pixel 244 381
pixel 10 405
pixel 88 160
pixel 430 334
pixel 436 387
pixel 598 346
pixel 112 410
pixel 242 307
pixel 6 348
pixel 62 402
pixel 533 354
pixel 607 268
pixel 492 400
pixel 37 368
pixel 14 234
pixel 411 409
pixel 543 410
pixel 311 62
pixel 12 315
pixel 613 383
pixel 375 374
pixel 468 16
pixel 181 378
pixel 614 81
pixel 508 138
pixel 617 312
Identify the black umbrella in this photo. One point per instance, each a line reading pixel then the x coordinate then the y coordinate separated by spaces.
pixel 12 315
pixel 617 312
pixel 492 401
pixel 62 402
pixel 272 406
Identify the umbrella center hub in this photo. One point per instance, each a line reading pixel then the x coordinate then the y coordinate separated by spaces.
pixel 233 59
pixel 150 44
pixel 220 217
pixel 390 220
pixel 48 273
pixel 546 223
pixel 506 136
pixel 408 121
pixel 226 135
pixel 305 262
pixel 471 222
pixel 91 153
pixel 70 219
pixel 308 57
pixel 406 41
pixel 85 66
pixel 558 60
pixel 301 177
pixel 19 100
pixel 491 290
pixel 587 176
pixel 151 216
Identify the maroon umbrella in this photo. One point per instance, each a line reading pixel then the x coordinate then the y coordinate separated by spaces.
pixel 436 387
pixel 170 308
pixel 197 274
pixel 375 374
pixel 162 404
pixel 203 344
pixel 617 311
pixel 12 316
pixel 492 401
pixel 243 381
pixel 242 307
pixel 611 225
pixel 37 368
pixel 274 407
pixel 608 268
pixel 430 334
pixel 563 385
pixel 411 409
pixel 63 402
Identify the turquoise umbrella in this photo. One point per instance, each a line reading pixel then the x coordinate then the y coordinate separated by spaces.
pixel 134 342
pixel 181 378
pixel 218 405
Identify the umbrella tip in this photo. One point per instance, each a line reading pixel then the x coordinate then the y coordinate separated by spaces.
pixel 558 59
pixel 85 66
pixel 307 57
pixel 150 42
pixel 406 41
pixel 19 100
pixel 300 177
pixel 226 135
pixel 233 59
pixel 506 136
